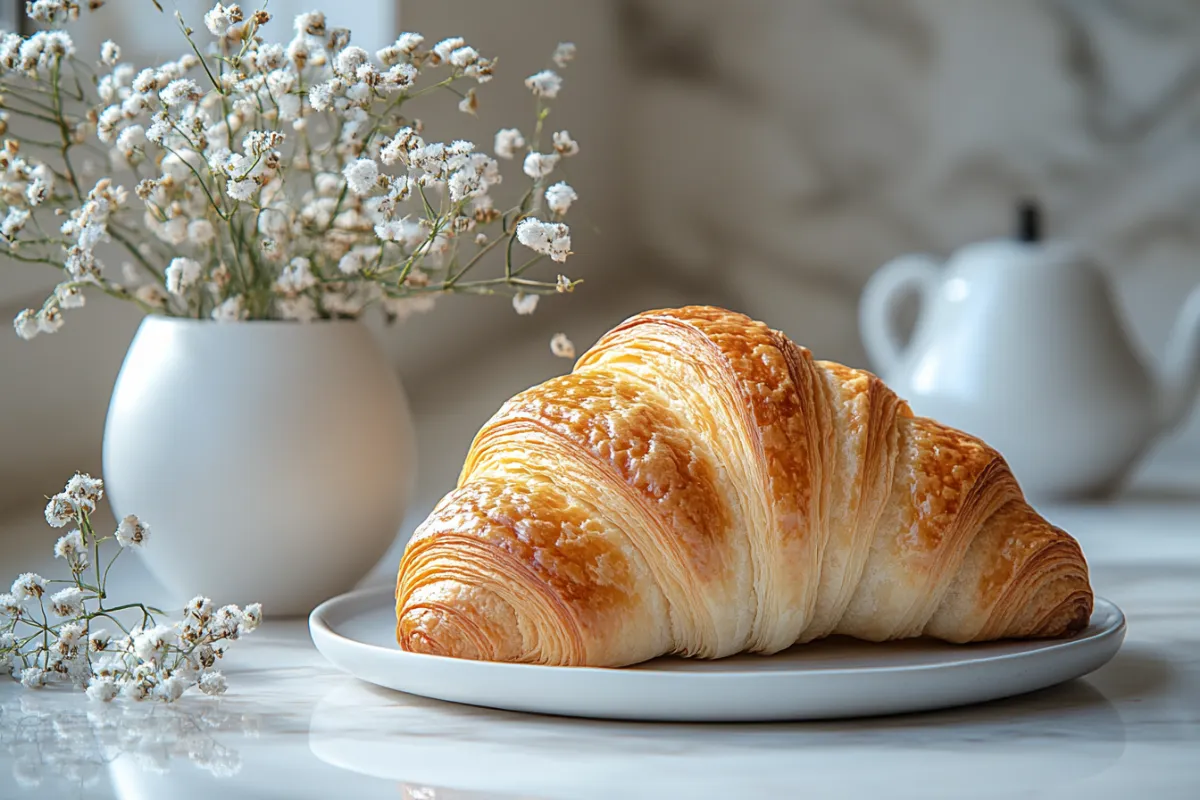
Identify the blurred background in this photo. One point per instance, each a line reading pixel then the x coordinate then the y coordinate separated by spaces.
pixel 766 155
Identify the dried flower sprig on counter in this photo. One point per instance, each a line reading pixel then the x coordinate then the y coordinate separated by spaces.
pixel 64 635
pixel 269 180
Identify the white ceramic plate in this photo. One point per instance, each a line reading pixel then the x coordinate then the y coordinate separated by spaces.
pixel 821 680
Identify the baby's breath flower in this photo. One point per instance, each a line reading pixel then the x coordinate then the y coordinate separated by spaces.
pixel 459 148
pixel 469 104
pixel 14 222
pixel 251 617
pixel 147 80
pixel 549 238
pixel 49 319
pixel 270 57
pixel 10 605
pixel 464 184
pixel 67 602
pixel 258 142
pixel 130 139
pixel 181 90
pixel 561 346
pixel 546 83
pixel 84 491
pixel 349 60
pixel 559 198
pixel 107 122
pixel 50 10
pixel 400 76
pixel 37 192
pixel 60 511
pixel 71 548
pixel 564 54
pixel 405 231
pixel 361 175
pixel 508 142
pixel 564 145
pixel 407 43
pixel 181 274
pixel 199 607
pixel 26 324
pixel 110 53
pixel 320 96
pixel 149 645
pixel 241 189
pixel 563 285
pixel 132 532
pixel 227 622
pixel 445 47
pixel 98 641
pixel 310 24
pixel 212 683
pixel 219 18
pixel 28 586
pixel 524 304
pixel 159 130
pixel 464 56
pixel 539 165
pixel 69 634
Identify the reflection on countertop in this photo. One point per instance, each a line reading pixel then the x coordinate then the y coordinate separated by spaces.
pixel 52 737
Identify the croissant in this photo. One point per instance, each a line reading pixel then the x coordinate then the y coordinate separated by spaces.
pixel 699 485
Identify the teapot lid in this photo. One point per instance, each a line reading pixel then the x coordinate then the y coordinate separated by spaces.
pixel 1027 244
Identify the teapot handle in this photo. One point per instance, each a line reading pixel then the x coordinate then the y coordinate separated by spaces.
pixel 877 304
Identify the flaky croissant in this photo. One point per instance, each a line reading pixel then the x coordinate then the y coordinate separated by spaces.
pixel 699 485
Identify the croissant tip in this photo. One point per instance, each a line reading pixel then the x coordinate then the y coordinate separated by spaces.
pixel 1071 617
pixel 1083 616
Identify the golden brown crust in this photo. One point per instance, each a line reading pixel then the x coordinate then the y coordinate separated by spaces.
pixel 700 485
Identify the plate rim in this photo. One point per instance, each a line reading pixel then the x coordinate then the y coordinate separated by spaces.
pixel 321 628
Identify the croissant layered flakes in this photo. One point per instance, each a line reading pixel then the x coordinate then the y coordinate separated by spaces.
pixel 700 485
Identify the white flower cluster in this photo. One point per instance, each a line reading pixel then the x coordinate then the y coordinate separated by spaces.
pixel 145 660
pixel 273 180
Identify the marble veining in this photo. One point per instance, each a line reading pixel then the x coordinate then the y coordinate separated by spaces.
pixel 825 137
pixel 292 726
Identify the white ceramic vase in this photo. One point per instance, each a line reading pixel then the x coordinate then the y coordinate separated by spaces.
pixel 273 461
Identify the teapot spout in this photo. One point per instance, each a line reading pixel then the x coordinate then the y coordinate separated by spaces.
pixel 1181 367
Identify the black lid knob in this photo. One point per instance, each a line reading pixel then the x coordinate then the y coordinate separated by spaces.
pixel 1029 221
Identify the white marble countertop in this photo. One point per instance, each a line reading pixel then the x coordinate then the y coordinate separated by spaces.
pixel 291 726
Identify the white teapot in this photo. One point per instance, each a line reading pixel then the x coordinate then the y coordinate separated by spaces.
pixel 1019 343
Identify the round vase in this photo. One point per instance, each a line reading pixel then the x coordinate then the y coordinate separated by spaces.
pixel 272 461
